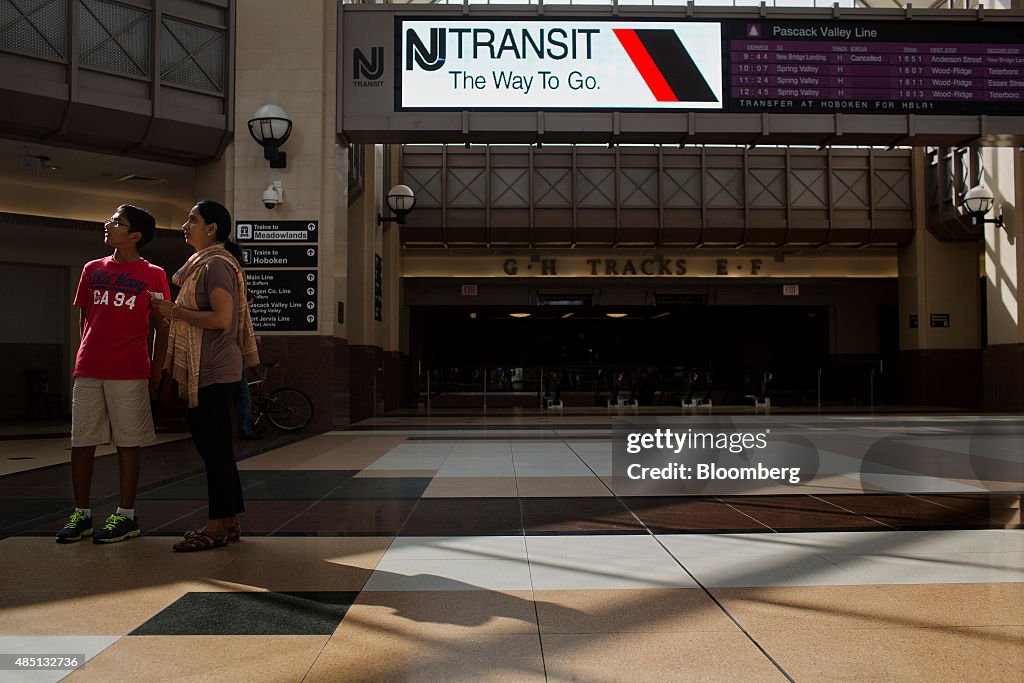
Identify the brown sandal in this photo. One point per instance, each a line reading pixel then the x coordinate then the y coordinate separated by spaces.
pixel 233 533
pixel 199 540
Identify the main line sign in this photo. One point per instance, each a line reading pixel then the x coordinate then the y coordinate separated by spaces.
pixel 559 64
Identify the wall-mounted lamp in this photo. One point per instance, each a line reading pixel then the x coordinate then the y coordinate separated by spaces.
pixel 401 201
pixel 979 201
pixel 270 126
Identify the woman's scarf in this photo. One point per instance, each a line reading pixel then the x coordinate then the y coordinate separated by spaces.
pixel 185 341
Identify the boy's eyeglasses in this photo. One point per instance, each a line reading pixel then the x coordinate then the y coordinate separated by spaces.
pixel 116 222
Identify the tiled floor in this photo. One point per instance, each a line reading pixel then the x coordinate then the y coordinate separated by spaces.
pixel 472 549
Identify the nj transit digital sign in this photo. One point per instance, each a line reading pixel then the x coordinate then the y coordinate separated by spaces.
pixel 555 64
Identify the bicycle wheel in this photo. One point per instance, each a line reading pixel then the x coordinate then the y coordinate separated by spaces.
pixel 289 409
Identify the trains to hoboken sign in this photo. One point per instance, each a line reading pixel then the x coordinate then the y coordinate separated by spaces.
pixel 419 73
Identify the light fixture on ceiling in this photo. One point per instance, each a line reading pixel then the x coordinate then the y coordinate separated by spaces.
pixel 140 179
pixel 568 315
pixel 37 163
pixel 661 315
pixel 978 201
pixel 270 126
pixel 520 315
pixel 616 315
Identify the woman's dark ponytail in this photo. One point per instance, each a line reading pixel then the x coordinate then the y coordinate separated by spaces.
pixel 234 250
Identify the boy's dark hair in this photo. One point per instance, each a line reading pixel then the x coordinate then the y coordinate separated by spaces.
pixel 142 222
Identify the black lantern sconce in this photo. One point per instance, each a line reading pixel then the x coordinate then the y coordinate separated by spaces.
pixel 270 126
pixel 979 201
pixel 401 201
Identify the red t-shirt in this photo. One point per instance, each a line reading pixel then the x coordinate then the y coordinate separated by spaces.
pixel 115 299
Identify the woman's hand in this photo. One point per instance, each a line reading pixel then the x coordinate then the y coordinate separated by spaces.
pixel 162 305
pixel 219 318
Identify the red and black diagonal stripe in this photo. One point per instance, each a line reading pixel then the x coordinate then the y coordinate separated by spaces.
pixel 666 66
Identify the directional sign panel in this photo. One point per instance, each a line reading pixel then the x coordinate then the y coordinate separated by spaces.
pixel 279 256
pixel 276 231
pixel 283 300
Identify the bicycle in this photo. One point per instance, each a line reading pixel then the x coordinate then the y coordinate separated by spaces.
pixel 286 408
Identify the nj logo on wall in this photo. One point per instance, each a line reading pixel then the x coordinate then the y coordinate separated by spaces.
pixel 367 70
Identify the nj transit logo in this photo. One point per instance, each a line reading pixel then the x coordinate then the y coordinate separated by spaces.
pixel 370 69
pixel 430 59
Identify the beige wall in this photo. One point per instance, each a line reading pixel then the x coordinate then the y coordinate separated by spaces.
pixel 286 55
pixel 937 277
pixel 392 253
pixel 339 275
pixel 1004 249
pixel 365 238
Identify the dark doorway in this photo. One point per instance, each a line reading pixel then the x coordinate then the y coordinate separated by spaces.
pixel 735 344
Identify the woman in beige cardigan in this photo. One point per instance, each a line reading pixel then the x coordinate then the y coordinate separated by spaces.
pixel 210 342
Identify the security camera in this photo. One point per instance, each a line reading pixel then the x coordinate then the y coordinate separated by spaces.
pixel 273 195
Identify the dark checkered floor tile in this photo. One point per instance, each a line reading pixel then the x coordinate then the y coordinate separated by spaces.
pixel 250 614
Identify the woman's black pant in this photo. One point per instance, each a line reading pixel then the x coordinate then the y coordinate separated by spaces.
pixel 210 423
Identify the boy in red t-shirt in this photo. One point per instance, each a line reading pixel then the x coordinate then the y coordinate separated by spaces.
pixel 113 372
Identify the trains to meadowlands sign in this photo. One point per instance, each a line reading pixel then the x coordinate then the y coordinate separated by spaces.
pixel 553 64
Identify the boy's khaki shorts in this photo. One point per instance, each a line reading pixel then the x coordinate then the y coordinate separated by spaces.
pixel 111 410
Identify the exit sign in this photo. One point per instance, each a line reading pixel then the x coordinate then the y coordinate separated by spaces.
pixel 468 290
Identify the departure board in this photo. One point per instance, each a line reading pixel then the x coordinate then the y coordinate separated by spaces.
pixel 875 67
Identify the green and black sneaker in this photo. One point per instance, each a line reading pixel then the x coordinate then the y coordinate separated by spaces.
pixel 78 527
pixel 117 528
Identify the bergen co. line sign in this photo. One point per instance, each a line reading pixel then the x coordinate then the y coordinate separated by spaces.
pixel 551 64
